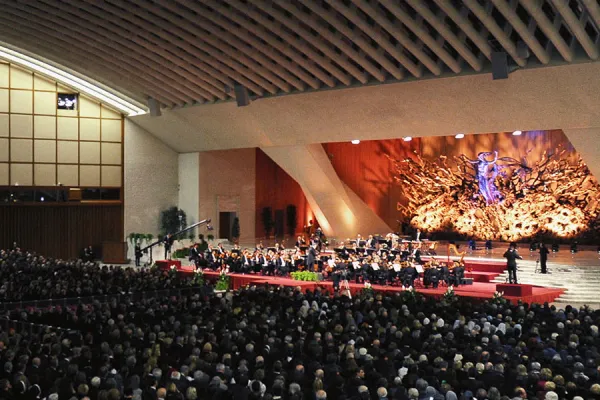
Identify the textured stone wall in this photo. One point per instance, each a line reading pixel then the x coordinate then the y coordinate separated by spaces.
pixel 151 180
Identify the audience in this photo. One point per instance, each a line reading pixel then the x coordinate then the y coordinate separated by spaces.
pixel 280 343
pixel 27 276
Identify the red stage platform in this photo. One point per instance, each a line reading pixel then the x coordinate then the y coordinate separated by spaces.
pixel 478 290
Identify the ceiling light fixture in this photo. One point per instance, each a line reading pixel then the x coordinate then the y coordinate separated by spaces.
pixel 407 139
pixel 120 102
pixel 517 133
pixel 459 135
pixel 355 141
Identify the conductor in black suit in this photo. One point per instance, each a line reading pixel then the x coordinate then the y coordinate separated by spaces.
pixel 311 257
pixel 195 255
pixel 512 256
pixel 544 258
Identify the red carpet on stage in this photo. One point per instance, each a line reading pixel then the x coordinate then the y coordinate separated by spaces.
pixel 478 290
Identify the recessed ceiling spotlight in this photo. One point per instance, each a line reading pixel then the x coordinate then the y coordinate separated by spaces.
pixel 355 141
pixel 459 135
pixel 517 133
pixel 407 139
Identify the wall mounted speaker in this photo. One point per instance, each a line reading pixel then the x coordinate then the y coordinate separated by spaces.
pixel 154 107
pixel 499 65
pixel 242 97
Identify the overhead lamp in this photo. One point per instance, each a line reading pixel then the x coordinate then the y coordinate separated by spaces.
pixel 459 135
pixel 407 139
pixel 118 101
pixel 355 141
pixel 517 133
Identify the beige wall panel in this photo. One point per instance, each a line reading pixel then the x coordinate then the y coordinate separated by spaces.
pixel 111 176
pixel 44 103
pixel 4 175
pixel 44 174
pixel 67 175
pixel 88 107
pixel 111 153
pixel 67 128
pixel 64 89
pixel 21 126
pixel 21 150
pixel 4 100
pixel 90 175
pixel 43 83
pixel 3 75
pixel 44 151
pixel 111 130
pixel 68 152
pixel 21 174
pixel 89 129
pixel 20 78
pixel 44 127
pixel 4 150
pixel 21 101
pixel 4 125
pixel 67 113
pixel 89 152
pixel 110 113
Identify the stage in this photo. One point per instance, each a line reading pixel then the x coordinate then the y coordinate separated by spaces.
pixel 478 290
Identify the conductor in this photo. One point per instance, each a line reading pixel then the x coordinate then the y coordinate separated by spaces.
pixel 512 256
pixel 311 257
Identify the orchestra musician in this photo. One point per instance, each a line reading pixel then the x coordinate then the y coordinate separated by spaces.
pixel 370 242
pixel 195 255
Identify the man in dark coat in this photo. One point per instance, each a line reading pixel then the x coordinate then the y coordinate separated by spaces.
pixel 512 256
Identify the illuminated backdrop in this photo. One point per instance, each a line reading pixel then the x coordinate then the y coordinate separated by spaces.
pixel 498 197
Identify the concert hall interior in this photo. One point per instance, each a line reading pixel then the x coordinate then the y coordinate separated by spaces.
pixel 306 199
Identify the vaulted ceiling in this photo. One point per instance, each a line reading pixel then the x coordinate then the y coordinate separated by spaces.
pixel 186 52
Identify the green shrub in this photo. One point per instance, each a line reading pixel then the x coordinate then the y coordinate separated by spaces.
pixel 222 283
pixel 181 253
pixel 307 276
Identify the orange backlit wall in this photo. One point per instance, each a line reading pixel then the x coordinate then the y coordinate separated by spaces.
pixel 276 189
pixel 366 169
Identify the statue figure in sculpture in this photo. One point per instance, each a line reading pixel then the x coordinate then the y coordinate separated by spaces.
pixel 486 174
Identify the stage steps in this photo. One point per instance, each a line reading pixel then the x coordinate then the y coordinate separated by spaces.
pixel 582 284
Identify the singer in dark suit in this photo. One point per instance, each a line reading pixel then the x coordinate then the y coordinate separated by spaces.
pixel 195 255
pixel 512 256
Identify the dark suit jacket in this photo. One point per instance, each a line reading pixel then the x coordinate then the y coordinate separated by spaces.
pixel 312 256
pixel 511 258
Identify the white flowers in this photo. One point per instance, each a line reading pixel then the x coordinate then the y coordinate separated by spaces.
pixel 173 267
pixel 368 285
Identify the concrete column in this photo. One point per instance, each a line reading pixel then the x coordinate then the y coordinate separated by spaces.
pixel 339 211
pixel 587 143
pixel 189 185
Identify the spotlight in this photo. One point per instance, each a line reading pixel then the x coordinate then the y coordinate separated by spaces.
pixel 41 198
pixel 407 139
pixel 459 135
pixel 517 133
pixel 355 141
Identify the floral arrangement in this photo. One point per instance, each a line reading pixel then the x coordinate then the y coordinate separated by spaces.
pixel 222 282
pixel 499 298
pixel 410 295
pixel 198 277
pixel 367 289
pixel 308 276
pixel 172 271
pixel 450 296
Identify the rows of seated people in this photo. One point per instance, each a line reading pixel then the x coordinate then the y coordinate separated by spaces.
pixel 28 276
pixel 280 343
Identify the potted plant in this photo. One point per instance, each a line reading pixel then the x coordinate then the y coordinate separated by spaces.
pixel 172 220
pixel 132 238
pixel 235 230
pixel 222 283
pixel 210 237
